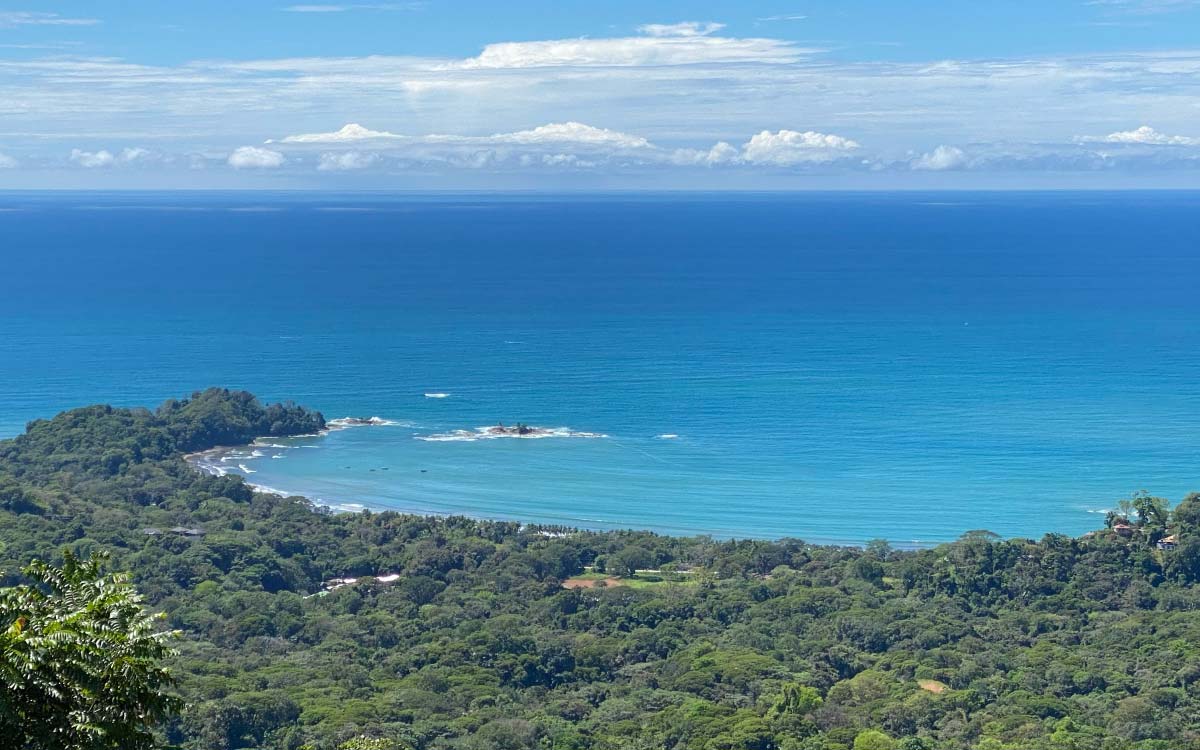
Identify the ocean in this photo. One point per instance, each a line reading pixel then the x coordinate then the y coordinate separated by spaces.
pixel 833 367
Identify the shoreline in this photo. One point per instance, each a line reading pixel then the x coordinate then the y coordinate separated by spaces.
pixel 196 461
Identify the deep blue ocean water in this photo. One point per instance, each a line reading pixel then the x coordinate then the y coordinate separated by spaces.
pixel 835 367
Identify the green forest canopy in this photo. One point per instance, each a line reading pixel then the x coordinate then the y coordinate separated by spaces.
pixel 983 644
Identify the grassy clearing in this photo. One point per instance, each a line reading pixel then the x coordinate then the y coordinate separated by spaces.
pixel 590 579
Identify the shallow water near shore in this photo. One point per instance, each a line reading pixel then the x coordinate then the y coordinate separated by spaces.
pixel 830 367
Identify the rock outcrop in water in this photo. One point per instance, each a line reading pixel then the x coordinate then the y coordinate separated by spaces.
pixel 358 421
pixel 520 430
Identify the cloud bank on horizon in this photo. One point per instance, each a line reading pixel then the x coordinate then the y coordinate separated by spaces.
pixel 687 102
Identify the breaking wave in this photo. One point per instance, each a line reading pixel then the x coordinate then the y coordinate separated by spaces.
pixel 494 433
pixel 269 490
pixel 346 423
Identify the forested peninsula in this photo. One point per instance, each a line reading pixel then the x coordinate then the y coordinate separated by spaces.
pixel 302 628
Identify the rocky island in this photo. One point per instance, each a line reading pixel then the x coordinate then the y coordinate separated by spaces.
pixel 519 429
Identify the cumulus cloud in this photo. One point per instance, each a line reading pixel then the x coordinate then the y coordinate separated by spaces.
pixel 134 155
pixel 572 132
pixel 673 88
pixel 940 159
pixel 687 28
pixel 555 132
pixel 566 160
pixel 1027 157
pixel 789 147
pixel 1145 135
pixel 557 144
pixel 345 161
pixel 348 134
pixel 106 158
pixel 563 144
pixel 92 159
pixel 252 157
pixel 7 162
pixel 722 153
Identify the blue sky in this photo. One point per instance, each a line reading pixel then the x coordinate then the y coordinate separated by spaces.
pixel 606 95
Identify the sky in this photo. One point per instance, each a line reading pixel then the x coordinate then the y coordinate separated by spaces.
pixel 533 94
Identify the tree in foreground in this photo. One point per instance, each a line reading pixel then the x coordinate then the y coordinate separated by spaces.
pixel 80 661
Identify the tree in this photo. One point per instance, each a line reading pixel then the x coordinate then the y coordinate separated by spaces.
pixel 80 661
pixel 363 742
pixel 15 499
pixel 1150 510
pixel 879 548
pixel 873 740
pixel 1187 513
pixel 796 699
pixel 1135 718
pixel 630 560
pixel 984 643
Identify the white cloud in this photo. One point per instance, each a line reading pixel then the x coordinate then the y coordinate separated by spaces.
pixel 566 144
pixel 347 8
pixel 897 106
pixel 567 160
pixel 11 18
pixel 572 132
pixel 345 161
pixel 689 46
pixel 1146 7
pixel 251 157
pixel 92 159
pixel 7 162
pixel 555 132
pixel 687 28
pixel 46 46
pixel 659 95
pixel 348 134
pixel 722 153
pixel 131 155
pixel 106 158
pixel 940 159
pixel 559 145
pixel 1145 135
pixel 789 147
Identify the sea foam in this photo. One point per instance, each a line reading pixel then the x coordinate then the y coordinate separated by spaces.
pixel 345 423
pixel 490 433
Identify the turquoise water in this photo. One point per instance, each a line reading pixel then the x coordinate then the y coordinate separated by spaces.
pixel 829 367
